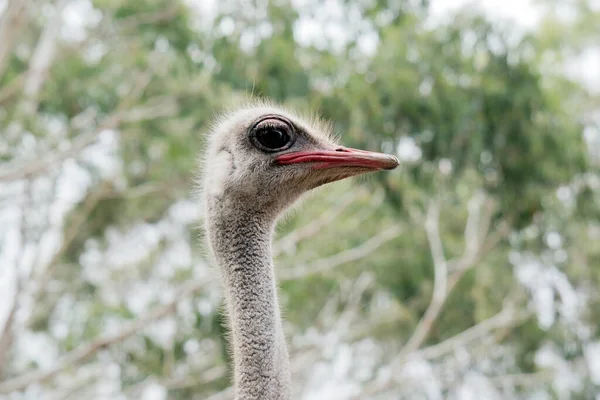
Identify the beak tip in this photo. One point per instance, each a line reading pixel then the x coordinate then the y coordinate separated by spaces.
pixel 393 164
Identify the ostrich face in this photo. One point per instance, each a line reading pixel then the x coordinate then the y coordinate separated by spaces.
pixel 265 157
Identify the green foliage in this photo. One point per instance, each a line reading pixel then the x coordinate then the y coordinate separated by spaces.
pixel 487 116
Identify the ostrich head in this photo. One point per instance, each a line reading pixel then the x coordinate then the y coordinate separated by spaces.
pixel 259 160
pixel 262 157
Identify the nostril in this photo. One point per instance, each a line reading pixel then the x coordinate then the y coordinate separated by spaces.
pixel 341 149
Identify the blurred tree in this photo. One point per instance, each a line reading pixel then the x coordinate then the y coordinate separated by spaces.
pixel 472 269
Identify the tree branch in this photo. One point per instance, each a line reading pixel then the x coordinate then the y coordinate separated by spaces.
pixel 477 245
pixel 12 20
pixel 12 88
pixel 476 231
pixel 54 157
pixel 165 108
pixel 471 257
pixel 6 335
pixel 133 22
pixel 506 318
pixel 439 285
pixel 41 60
pixel 88 349
pixel 207 376
pixel 312 228
pixel 168 188
pixel 356 253
pixel 225 394
pixel 42 275
pixel 473 229
pixel 530 379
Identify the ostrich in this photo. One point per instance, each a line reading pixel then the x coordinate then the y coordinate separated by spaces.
pixel 259 160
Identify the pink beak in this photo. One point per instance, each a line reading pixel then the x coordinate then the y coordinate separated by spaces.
pixel 341 157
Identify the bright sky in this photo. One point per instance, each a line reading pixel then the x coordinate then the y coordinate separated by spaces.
pixel 527 15
pixel 524 12
pixel 524 15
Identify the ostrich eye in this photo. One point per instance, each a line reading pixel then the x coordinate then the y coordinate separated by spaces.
pixel 272 135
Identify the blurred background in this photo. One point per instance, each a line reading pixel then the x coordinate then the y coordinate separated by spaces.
pixel 470 272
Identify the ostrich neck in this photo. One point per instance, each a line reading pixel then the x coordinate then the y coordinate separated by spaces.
pixel 242 247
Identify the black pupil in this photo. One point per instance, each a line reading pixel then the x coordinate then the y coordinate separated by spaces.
pixel 272 137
